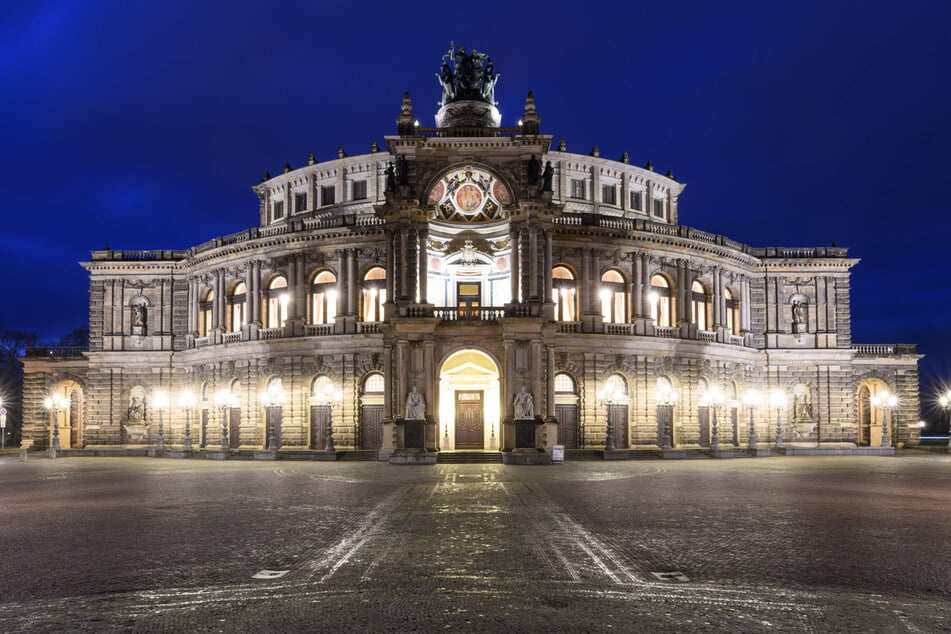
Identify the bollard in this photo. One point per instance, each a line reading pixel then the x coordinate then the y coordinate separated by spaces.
pixel 23 455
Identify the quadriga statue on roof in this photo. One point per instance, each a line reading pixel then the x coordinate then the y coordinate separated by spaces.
pixel 471 77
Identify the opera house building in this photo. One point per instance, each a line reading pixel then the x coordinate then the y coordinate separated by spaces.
pixel 469 286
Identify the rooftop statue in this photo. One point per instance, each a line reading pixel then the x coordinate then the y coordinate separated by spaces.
pixel 472 76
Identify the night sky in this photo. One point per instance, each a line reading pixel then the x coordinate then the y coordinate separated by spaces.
pixel 144 124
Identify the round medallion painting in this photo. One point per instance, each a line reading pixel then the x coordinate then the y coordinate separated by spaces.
pixel 469 194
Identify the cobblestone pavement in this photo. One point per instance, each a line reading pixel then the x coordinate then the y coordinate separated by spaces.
pixel 806 544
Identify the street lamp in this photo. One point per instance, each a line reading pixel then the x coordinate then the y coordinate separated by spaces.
pixel 777 401
pixel 187 400
pixel 715 398
pixel 608 394
pixel 751 398
pixel 272 398
pixel 887 402
pixel 55 403
pixel 224 400
pixel 666 396
pixel 945 401
pixel 329 395
pixel 160 402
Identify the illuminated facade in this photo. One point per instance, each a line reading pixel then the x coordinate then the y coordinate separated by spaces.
pixel 473 263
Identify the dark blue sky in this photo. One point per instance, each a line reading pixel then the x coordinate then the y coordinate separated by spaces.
pixel 794 124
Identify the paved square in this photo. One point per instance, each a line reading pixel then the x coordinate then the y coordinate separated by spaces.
pixel 745 545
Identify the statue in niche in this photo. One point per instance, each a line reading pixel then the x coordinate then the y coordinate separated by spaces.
pixel 402 170
pixel 524 405
pixel 547 175
pixel 137 410
pixel 799 315
pixel 415 405
pixel 390 178
pixel 139 316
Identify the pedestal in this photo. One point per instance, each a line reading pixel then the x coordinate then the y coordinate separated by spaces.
pixel 525 433
pixel 415 442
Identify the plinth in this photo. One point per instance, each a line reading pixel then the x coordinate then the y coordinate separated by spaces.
pixel 415 442
pixel 526 450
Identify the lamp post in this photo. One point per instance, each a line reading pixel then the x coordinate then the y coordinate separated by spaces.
pixel 330 395
pixel 160 402
pixel 945 401
pixel 715 398
pixel 607 394
pixel 3 426
pixel 666 396
pixel 55 403
pixel 224 400
pixel 887 402
pixel 751 398
pixel 187 400
pixel 272 398
pixel 777 400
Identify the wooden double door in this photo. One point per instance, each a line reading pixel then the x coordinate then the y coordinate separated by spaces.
pixel 470 424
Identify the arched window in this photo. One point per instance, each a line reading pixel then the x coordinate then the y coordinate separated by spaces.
pixel 613 297
pixel 204 314
pixel 277 300
pixel 660 301
pixel 564 384
pixel 563 291
pixel 616 385
pixel 700 306
pixel 732 313
pixel 237 307
pixel 373 384
pixel 323 298
pixel 374 294
pixel 321 386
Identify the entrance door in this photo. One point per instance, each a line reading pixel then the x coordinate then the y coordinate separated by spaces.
pixel 234 427
pixel 371 417
pixel 469 434
pixel 468 295
pixel 318 426
pixel 618 414
pixel 567 416
pixel 703 414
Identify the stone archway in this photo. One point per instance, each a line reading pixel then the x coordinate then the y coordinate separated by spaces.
pixel 469 401
pixel 66 423
pixel 870 419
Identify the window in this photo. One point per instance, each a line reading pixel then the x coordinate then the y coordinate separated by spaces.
pixel 658 208
pixel 613 297
pixel 277 301
pixel 237 308
pixel 609 194
pixel 577 188
pixel 374 294
pixel 373 384
pixel 564 383
pixel 732 311
pixel 563 293
pixel 699 306
pixel 359 189
pixel 300 202
pixel 636 201
pixel 660 301
pixel 278 207
pixel 204 314
pixel 327 195
pixel 323 298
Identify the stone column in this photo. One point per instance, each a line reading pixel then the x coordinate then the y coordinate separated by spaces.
pixel 745 305
pixel 514 267
pixel 256 292
pixel 404 264
pixel 353 283
pixel 549 264
pixel 550 380
pixel 390 264
pixel 533 262
pixel 638 291
pixel 216 285
pixel 717 293
pixel 423 265
pixel 429 387
pixel 301 289
pixel 388 372
pixel 192 305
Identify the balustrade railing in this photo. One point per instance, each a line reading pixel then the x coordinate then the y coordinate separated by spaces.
pixel 884 349
pixel 201 342
pixel 321 330
pixel 270 333
pixel 55 351
pixel 706 336
pixel 231 337
pixel 667 332
pixel 368 327
pixel 619 329
pixel 469 314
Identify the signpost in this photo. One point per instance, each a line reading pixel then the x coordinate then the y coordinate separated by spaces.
pixel 3 428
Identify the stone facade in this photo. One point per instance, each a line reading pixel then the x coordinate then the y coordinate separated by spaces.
pixel 470 262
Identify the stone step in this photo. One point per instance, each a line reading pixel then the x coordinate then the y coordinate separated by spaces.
pixel 358 455
pixel 469 457
pixel 582 454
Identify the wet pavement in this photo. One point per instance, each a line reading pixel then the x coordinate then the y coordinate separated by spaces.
pixel 804 544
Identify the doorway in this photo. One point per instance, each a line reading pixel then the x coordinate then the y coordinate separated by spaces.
pixel 469 419
pixel 468 296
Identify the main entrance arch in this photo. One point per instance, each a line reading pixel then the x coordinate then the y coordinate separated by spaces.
pixel 469 401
